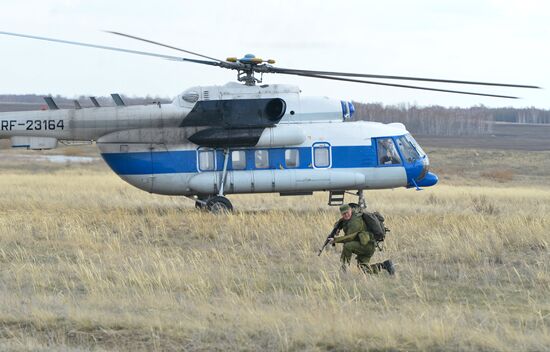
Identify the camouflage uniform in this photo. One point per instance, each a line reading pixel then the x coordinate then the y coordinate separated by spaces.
pixel 359 241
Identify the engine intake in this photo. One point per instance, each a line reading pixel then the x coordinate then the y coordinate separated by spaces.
pixel 275 109
pixel 236 113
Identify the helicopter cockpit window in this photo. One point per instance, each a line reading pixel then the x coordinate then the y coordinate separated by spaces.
pixel 387 153
pixel 407 149
pixel 261 159
pixel 415 144
pixel 206 160
pixel 238 159
pixel 292 158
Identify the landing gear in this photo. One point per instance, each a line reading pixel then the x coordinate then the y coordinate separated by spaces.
pixel 216 203
pixel 224 171
pixel 200 203
pixel 362 201
pixel 219 204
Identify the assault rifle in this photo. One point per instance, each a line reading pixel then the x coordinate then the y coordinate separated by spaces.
pixel 334 232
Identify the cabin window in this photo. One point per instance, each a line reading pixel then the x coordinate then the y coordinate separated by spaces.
pixel 206 160
pixel 292 158
pixel 387 153
pixel 321 155
pixel 238 159
pixel 261 159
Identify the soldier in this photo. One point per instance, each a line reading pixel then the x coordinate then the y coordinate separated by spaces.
pixel 358 240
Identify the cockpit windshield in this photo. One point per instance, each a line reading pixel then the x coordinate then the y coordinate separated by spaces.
pixel 415 144
pixel 410 149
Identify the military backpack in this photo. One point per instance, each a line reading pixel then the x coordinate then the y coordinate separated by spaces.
pixel 375 224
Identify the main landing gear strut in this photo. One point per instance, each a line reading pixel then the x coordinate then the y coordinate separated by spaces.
pixel 217 203
pixel 362 201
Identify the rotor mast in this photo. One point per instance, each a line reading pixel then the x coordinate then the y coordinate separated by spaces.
pixel 247 76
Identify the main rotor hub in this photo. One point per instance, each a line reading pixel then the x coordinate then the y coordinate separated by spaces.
pixel 249 65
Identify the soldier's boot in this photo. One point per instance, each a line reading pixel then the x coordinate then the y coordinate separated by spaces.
pixel 388 265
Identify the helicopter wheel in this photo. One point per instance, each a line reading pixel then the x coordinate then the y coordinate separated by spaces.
pixel 219 204
pixel 201 203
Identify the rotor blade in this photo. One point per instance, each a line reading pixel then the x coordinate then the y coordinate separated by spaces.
pixel 145 53
pixel 405 78
pixel 164 45
pixel 402 85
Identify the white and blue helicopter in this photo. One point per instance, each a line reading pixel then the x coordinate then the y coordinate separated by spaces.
pixel 246 137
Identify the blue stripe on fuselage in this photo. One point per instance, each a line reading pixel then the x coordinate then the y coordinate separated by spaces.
pixel 185 161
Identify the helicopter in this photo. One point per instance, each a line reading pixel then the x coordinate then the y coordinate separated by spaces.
pixel 245 137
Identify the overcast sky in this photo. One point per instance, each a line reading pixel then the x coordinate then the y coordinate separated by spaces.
pixel 485 40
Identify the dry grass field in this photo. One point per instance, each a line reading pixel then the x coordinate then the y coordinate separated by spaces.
pixel 88 263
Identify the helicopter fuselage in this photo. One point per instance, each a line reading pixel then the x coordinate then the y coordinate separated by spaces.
pixel 267 139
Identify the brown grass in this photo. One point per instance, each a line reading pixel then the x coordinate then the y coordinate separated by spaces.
pixel 499 175
pixel 90 263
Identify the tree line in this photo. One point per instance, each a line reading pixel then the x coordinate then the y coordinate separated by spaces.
pixel 527 115
pixel 443 121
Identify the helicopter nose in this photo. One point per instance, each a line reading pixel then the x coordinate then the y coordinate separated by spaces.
pixel 426 178
pixel 418 174
pixel 430 179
